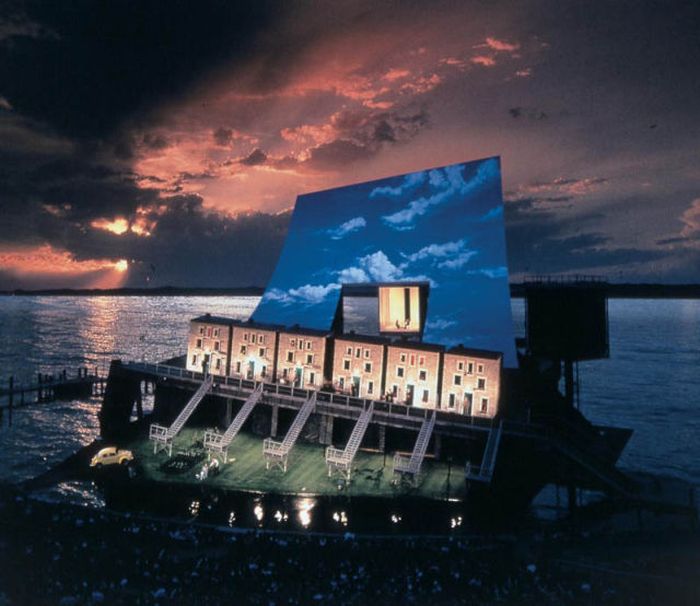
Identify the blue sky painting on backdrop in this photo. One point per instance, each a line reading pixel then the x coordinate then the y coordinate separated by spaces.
pixel 444 225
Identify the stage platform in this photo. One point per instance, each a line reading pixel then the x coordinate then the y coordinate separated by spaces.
pixel 307 473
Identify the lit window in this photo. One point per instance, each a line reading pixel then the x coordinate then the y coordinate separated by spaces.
pixel 263 372
pixel 358 352
pixel 217 345
pixel 460 366
pixel 366 353
pixel 484 405
pixel 421 360
pixel 245 336
pixel 402 357
pixel 346 364
pixel 481 383
pixel 216 332
pixel 470 368
pixel 458 379
pixel 348 351
pixel 341 382
pixel 209 332
pixel 199 343
pixel 309 358
pixel 194 359
pixel 308 345
pixel 238 368
pixel 312 378
pixel 261 352
pixel 422 375
pixel 370 387
pixel 300 343
pixel 399 371
pixel 217 365
pixel 480 369
pixel 426 395
pixel 244 349
pixel 368 366
pixel 290 356
pixel 253 338
pixel 261 339
pixel 395 391
pixel 451 402
pixel 293 342
pixel 201 330
pixel 412 360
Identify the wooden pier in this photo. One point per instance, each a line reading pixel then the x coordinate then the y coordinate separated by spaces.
pixel 82 383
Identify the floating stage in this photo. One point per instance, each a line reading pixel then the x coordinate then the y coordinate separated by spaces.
pixel 490 464
pixel 307 472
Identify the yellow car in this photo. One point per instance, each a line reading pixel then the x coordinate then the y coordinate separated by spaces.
pixel 112 456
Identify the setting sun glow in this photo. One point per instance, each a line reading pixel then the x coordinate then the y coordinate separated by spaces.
pixel 121 265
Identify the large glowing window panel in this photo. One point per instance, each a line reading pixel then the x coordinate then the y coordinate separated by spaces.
pixel 399 309
pixel 443 226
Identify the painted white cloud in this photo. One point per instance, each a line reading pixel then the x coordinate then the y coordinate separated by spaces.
pixel 409 182
pixel 353 274
pixel 350 226
pixel 309 294
pixel 312 294
pixel 377 267
pixel 494 213
pixel 457 261
pixel 449 182
pixel 439 324
pixel 490 272
pixel 433 251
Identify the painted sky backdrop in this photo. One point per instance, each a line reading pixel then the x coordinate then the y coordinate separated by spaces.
pixel 152 143
pixel 443 226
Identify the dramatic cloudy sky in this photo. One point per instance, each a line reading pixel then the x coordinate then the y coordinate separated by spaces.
pixel 165 142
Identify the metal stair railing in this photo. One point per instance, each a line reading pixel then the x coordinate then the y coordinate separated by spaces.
pixel 484 472
pixel 160 434
pixel 277 453
pixel 341 459
pixel 411 465
pixel 218 442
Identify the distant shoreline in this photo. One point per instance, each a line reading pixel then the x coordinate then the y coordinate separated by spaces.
pixel 615 291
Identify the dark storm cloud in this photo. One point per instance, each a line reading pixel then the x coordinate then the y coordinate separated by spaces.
pixel 192 247
pixel 109 108
pixel 539 241
pixel 527 112
pixel 109 61
pixel 223 136
pixel 363 134
pixel 254 158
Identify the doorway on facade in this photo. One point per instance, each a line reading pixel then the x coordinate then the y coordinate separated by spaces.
pixel 356 386
pixel 468 404
pixel 409 395
pixel 298 377
pixel 251 370
pixel 205 363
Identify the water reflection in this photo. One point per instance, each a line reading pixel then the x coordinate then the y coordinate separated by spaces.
pixel 305 506
pixel 340 517
pixel 259 512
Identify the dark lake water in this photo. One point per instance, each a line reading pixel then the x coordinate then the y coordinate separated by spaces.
pixel 651 383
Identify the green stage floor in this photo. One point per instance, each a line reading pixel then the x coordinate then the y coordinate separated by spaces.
pixel 306 474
